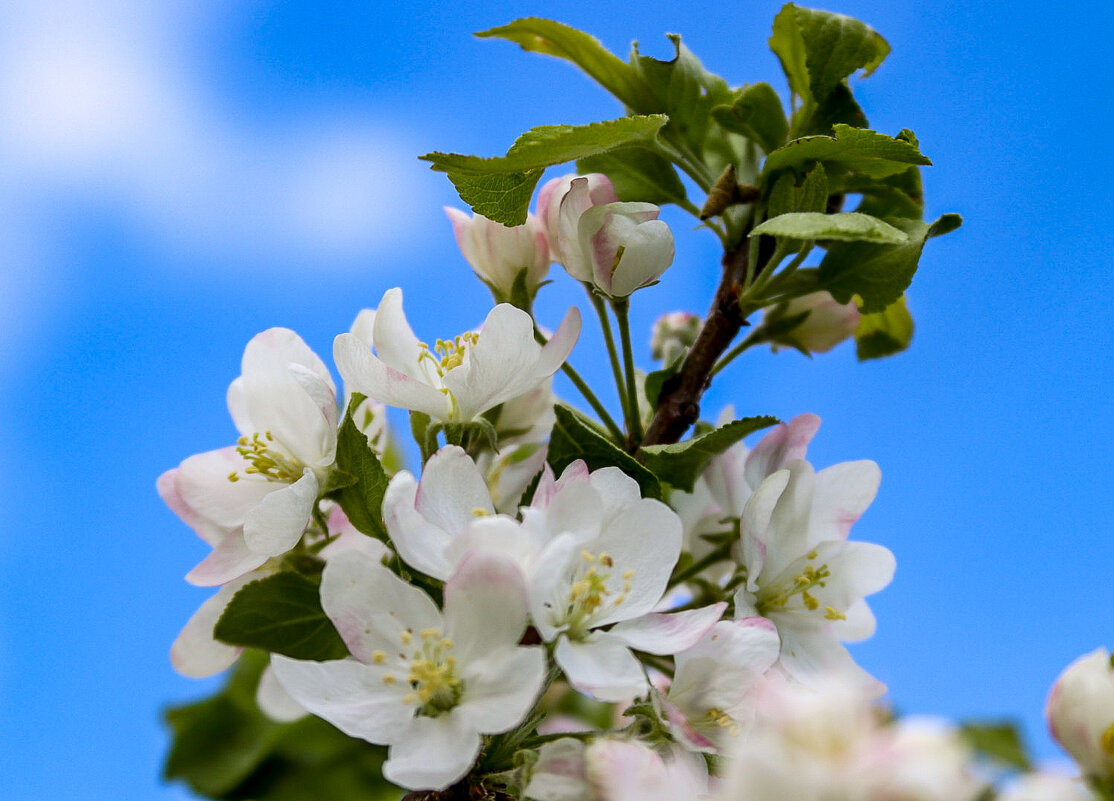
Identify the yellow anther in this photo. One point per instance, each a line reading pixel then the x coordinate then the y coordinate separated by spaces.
pixel 269 435
pixel 427 634
pixel 810 602
pixel 409 698
pixel 833 614
pixel 588 556
pixel 628 575
pixel 448 643
pixel 389 679
pixel 406 636
pixel 378 657
pixel 479 511
pixel 233 477
pixel 606 560
pixel 811 554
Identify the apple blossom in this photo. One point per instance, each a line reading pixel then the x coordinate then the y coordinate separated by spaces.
pixel 560 203
pixel 613 769
pixel 672 335
pixel 426 682
pixel 826 325
pixel 626 245
pixel 1045 786
pixel 1080 713
pixel 459 379
pixel 500 254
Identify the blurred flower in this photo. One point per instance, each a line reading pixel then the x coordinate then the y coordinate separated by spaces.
pixel 1080 712
pixel 672 335
pixel 826 325
pixel 1042 786
pixel 500 254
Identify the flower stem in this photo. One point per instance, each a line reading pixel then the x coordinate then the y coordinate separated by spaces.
pixel 589 396
pixel 621 308
pixel 612 352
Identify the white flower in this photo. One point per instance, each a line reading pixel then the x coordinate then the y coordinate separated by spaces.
pixel 1080 713
pixel 459 379
pixel 253 501
pixel 804 575
pixel 560 203
pixel 1042 786
pixel 426 683
pixel 828 323
pixel 626 245
pixel 708 703
pixel 499 253
pixel 610 769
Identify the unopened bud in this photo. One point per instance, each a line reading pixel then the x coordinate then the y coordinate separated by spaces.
pixel 500 254
pixel 1080 713
pixel 627 246
pixel 826 325
pixel 560 203
pixel 672 334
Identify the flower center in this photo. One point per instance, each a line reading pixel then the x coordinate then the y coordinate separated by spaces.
pixel 717 718
pixel 778 597
pixel 447 354
pixel 435 687
pixel 266 460
pixel 589 593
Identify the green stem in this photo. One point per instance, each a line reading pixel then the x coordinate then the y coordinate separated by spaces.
pixel 709 559
pixel 589 396
pixel 768 279
pixel 728 357
pixel 612 352
pixel 634 419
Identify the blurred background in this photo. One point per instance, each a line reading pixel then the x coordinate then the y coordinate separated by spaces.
pixel 177 176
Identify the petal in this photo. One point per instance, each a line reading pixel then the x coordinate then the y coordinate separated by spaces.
pixel 812 656
pixel 195 653
pixel 394 339
pixel 432 753
pixel 755 524
pixel 452 490
pixel 370 606
pixel 558 775
pixel 602 667
pixel 842 494
pixel 783 444
pixel 721 669
pixel 548 586
pixel 204 487
pixel 366 373
pixel 278 522
pixel 647 253
pixel 668 633
pixel 499 535
pixel 857 569
pixel 560 345
pixel 230 559
pixel 501 690
pixel 348 694
pixel 485 605
pixel 274 701
pixel 167 487
pixel 418 542
pixel 788 532
pixel 317 445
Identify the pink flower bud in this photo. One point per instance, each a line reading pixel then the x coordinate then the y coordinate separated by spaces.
pixel 560 204
pixel 671 334
pixel 627 246
pixel 828 322
pixel 1080 713
pixel 499 253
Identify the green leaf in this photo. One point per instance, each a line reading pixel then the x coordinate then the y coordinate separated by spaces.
pixel 575 438
pixel 500 188
pixel 879 274
pixel 819 50
pixel 998 740
pixel 839 107
pixel 757 114
pixel 281 613
pixel 637 174
pixel 884 333
pixel 361 500
pixel 897 195
pixel 810 195
pixel 681 463
pixel 857 149
pixel 848 226
pixel 555 39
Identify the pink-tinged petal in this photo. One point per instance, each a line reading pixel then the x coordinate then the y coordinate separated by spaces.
pixel 560 345
pixel 720 671
pixel 274 701
pixel 419 543
pixel 462 227
pixel 843 492
pixel 395 341
pixel 204 486
pixel 724 477
pixel 577 509
pixel 276 524
pixel 558 775
pixel 432 753
pixel 371 606
pixel 485 605
pixel 755 524
pixel 547 486
pixel 497 535
pixel 452 490
pixel 500 366
pixel 668 633
pixel 502 689
pixel 684 731
pixel 348 694
pixel 366 373
pixel 229 560
pixel 602 667
pixel 783 444
pixel 167 487
pixel 195 653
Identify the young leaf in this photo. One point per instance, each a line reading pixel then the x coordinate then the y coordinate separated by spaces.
pixel 884 333
pixel 819 49
pixel 868 152
pixel 757 114
pixel 573 438
pixel 847 226
pixel 555 39
pixel 681 463
pixel 879 274
pixel 637 174
pixel 281 613
pixel 897 195
pixel 500 188
pixel 362 500
pixel 1000 741
pixel 787 196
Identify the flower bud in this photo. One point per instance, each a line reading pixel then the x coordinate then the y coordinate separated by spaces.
pixel 828 323
pixel 1080 713
pixel 672 334
pixel 627 246
pixel 560 203
pixel 499 253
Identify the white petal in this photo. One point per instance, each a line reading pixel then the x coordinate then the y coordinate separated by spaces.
pixel 195 653
pixel 784 443
pixel 602 667
pixel 842 494
pixel 499 535
pixel 204 487
pixel 558 775
pixel 370 606
pixel 788 537
pixel 395 342
pixel 857 569
pixel 276 524
pixel 648 252
pixel 418 542
pixel 274 701
pixel 167 487
pixel 668 633
pixel 317 445
pixel 755 524
pixel 238 407
pixel 560 345
pixel 858 625
pixel 548 586
pixel 366 373
pixel 812 656
pixel 501 690
pixel 230 559
pixel 721 669
pixel 485 605
pixel 617 490
pixel 432 753
pixel 452 490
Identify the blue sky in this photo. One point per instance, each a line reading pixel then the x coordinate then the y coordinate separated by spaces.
pixel 177 176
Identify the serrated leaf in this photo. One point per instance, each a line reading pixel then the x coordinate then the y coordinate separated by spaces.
pixel 839 107
pixel 281 613
pixel 637 175
pixel 879 274
pixel 810 195
pixel 539 35
pixel 857 149
pixel 574 438
pixel 681 463
pixel 1001 741
pixel 819 50
pixel 500 188
pixel 848 226
pixel 757 114
pixel 884 333
pixel 361 499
